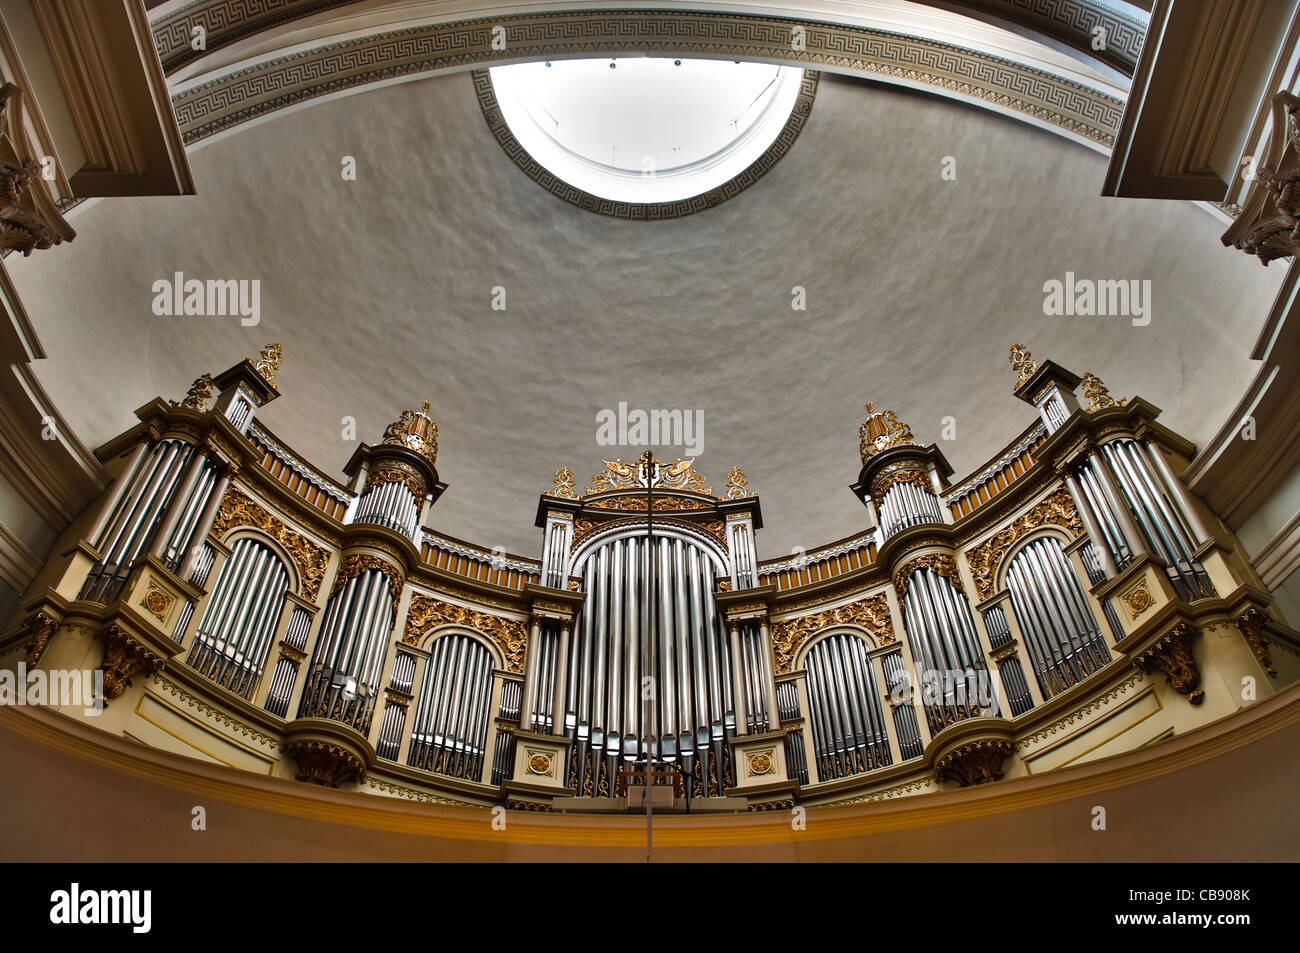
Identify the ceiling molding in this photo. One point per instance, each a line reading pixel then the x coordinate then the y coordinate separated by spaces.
pixel 1070 23
pixel 643 211
pixel 251 92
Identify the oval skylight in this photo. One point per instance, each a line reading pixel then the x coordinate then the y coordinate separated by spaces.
pixel 649 129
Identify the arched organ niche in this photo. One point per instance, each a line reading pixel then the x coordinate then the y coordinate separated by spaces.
pixel 450 732
pixel 848 721
pixel 234 634
pixel 681 661
pixel 1061 632
pixel 343 677
pixel 951 674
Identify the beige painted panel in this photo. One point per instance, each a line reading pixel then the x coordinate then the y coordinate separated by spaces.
pixel 161 725
pixel 1124 728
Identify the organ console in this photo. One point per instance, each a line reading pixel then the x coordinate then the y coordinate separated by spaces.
pixel 1023 617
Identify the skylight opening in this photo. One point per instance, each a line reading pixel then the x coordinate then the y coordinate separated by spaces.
pixel 646 129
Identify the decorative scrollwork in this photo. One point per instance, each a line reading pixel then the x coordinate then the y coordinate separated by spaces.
pixel 1021 364
pixel 737 485
pixel 789 636
pixel 1097 394
pixel 941 563
pixel 200 392
pixel 268 362
pixel 984 560
pixel 565 485
pixel 510 635
pixel 677 475
pixel 357 563
pixel 311 560
pixel 881 432
pixel 414 430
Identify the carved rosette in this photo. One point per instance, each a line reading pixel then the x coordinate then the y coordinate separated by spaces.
pixel 124 659
pixel 238 510
pixel 1251 624
pixel 40 628
pixel 426 612
pixel 941 563
pixel 789 636
pixel 976 762
pixel 326 764
pixel 1056 508
pixel 1172 655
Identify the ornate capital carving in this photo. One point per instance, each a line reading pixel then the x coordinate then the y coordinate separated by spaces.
pixel 40 627
pixel 357 563
pixel 124 659
pixel 1251 624
pixel 328 765
pixel 976 762
pixel 1172 655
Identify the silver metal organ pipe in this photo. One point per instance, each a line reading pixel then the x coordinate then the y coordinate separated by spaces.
pixel 632 621
pixel 1197 529
pixel 109 508
pixel 853 735
pixel 560 706
pixel 617 634
pixel 1118 544
pixel 1055 626
pixel 599 686
pixel 138 499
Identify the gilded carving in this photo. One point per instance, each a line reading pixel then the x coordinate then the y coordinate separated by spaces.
pixel 1172 655
pixel 414 430
pixel 311 560
pixel 124 659
pixel 635 503
pixel 565 487
pixel 761 763
pixel 323 763
pixel 540 763
pixel 1138 599
pixel 941 563
pixel 157 601
pixel 871 613
pixel 977 762
pixel 677 475
pixel 357 563
pixel 200 392
pixel 881 432
pixel 984 560
pixel 1096 393
pixel 737 485
pixel 917 478
pixel 1251 624
pixel 268 362
pixel 28 217
pixel 1022 365
pixel 393 473
pixel 426 612
pixel 40 627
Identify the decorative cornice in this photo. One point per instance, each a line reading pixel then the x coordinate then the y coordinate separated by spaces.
pixel 279 82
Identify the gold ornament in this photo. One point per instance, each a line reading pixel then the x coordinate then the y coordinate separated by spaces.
pixel 510 635
pixel 677 475
pixel 984 560
pixel 761 763
pixel 1021 364
pixel 1095 392
pixel 416 431
pixel 1138 600
pixel 311 560
pixel 157 601
pixel 737 485
pixel 871 613
pixel 269 362
pixel 881 432
pixel 941 563
pixel 565 485
pixel 200 392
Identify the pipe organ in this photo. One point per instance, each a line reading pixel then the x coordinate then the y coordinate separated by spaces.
pixel 945 641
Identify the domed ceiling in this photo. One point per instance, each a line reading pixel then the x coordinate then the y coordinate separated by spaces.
pixel 382 290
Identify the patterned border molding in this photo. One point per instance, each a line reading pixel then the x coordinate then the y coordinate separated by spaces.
pixel 998 83
pixel 216 714
pixel 644 211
